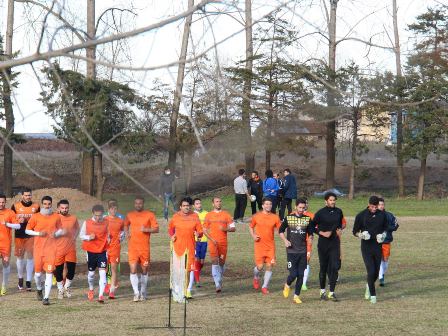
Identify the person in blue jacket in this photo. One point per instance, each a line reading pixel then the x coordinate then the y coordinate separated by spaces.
pixel 289 192
pixel 270 188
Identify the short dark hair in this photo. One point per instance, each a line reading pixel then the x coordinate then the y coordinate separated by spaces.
pixel 287 170
pixel 374 200
pixel 300 201
pixel 381 199
pixel 241 171
pixel 186 199
pixel 265 199
pixel 166 168
pixel 46 198
pixel 330 194
pixel 139 197
pixel 97 208
pixel 215 197
pixel 255 172
pixel 3 196
pixel 112 204
pixel 26 189
pixel 196 199
pixel 63 201
pixel 269 173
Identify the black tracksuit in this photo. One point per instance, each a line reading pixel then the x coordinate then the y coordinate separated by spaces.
pixel 255 187
pixel 375 223
pixel 299 228
pixel 329 249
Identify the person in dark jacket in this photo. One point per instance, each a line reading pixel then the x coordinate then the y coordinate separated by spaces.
pixel 371 226
pixel 270 188
pixel 289 192
pixel 166 191
pixel 255 186
pixel 392 225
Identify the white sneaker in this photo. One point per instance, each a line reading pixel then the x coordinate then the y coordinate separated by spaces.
pixel 143 297
pixel 68 292
pixel 136 298
pixel 60 294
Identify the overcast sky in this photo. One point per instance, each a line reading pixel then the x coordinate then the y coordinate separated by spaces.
pixel 358 18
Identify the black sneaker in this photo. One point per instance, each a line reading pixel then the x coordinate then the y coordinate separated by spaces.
pixel 323 296
pixel 382 282
pixel 46 302
pixel 20 284
pixel 28 286
pixel 39 295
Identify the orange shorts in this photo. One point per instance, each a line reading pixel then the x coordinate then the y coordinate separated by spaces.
pixel 43 264
pixel 218 251
pixel 386 251
pixel 264 257
pixel 139 257
pixel 70 256
pixel 22 245
pixel 5 253
pixel 113 255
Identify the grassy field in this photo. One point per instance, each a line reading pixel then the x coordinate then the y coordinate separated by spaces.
pixel 414 301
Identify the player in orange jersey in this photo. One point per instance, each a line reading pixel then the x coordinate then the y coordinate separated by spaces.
pixel 7 222
pixel 23 243
pixel 183 228
pixel 261 229
pixel 216 225
pixel 116 231
pixel 66 249
pixel 45 226
pixel 139 224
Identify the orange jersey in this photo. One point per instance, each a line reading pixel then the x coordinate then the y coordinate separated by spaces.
pixel 309 214
pixel 184 227
pixel 67 242
pixel 46 245
pixel 264 226
pixel 214 222
pixel 134 222
pixel 116 226
pixel 101 231
pixel 6 216
pixel 25 212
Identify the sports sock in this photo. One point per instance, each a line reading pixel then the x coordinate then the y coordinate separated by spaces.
pixel 383 268
pixel 102 282
pixel 38 281
pixel 48 284
pixel 190 284
pixel 215 274
pixel 134 283
pixel 20 265
pixel 306 274
pixel 91 279
pixel 256 273
pixel 144 283
pixel 267 278
pixel 223 269
pixel 60 285
pixel 323 291
pixel 6 272
pixel 29 269
pixel 197 270
pixel 331 293
pixel 68 282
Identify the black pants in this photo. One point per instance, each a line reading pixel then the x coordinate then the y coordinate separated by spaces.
pixel 59 271
pixel 286 203
pixel 240 206
pixel 254 205
pixel 329 258
pixel 371 253
pixel 296 268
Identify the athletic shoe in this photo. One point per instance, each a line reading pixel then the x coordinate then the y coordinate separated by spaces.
pixel 142 297
pixel 286 290
pixel 39 294
pixel 136 298
pixel 3 291
pixel 28 286
pixel 101 299
pixel 367 293
pixel 304 287
pixel 60 294
pixel 111 295
pixel 323 296
pixel 90 295
pixel 67 292
pixel 256 283
pixel 373 299
pixel 332 297
pixel 218 289
pixel 46 302
pixel 53 281
pixel 20 285
pixel 297 299
pixel 188 295
pixel 265 291
pixel 107 289
pixel 382 282
pixel 198 285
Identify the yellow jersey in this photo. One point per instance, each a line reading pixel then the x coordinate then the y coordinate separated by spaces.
pixel 201 216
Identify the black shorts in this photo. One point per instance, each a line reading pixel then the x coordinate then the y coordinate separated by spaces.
pixel 95 260
pixel 296 263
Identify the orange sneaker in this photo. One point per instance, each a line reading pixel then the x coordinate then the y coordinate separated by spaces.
pixel 265 291
pixel 90 295
pixel 107 289
pixel 256 283
pixel 101 299
pixel 111 295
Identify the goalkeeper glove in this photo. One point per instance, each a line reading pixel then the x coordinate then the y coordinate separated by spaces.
pixel 380 237
pixel 365 235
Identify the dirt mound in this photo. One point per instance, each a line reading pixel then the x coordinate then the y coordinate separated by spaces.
pixel 78 200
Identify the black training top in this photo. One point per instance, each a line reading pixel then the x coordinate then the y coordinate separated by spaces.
pixel 375 223
pixel 328 219
pixel 298 228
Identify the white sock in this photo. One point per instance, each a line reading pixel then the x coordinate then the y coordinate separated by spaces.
pixel 223 268
pixel 267 278
pixel 90 279
pixel 67 283
pixel 6 272
pixel 38 281
pixel 60 286
pixel 29 269
pixel 102 282
pixel 331 293
pixel 306 274
pixel 20 265
pixel 323 291
pixel 256 273
pixel 48 284
pixel 190 284
pixel 144 283
pixel 383 268
pixel 215 273
pixel 134 283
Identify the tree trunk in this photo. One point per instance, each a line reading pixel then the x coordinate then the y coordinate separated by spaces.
pixel 188 169
pixel 172 152
pixel 100 178
pixel 331 126
pixel 87 169
pixel 421 178
pixel 351 191
pixel 249 153
pixel 399 153
pixel 7 104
